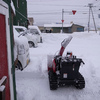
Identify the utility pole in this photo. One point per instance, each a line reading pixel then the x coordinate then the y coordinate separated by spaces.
pixel 73 11
pixel 89 21
pixel 62 19
pixel 90 10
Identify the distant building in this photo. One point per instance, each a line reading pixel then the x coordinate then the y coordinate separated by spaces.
pixel 67 28
pixel 41 28
pixel 31 20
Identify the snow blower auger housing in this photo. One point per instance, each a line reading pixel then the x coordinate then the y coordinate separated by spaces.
pixel 65 70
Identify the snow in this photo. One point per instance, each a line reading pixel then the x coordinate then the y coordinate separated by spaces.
pixel 34 27
pixel 13 8
pixel 2 88
pixel 32 83
pixel 2 80
pixel 57 25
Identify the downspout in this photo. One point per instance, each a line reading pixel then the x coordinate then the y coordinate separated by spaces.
pixel 12 53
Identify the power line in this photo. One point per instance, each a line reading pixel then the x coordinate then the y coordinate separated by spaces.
pixel 55 13
pixel 57 5
pixel 67 18
pixel 44 13
pixel 96 2
pixel 58 11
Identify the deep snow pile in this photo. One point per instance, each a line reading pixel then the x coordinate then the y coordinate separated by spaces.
pixel 32 82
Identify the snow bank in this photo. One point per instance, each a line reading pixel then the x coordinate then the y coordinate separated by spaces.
pixel 32 82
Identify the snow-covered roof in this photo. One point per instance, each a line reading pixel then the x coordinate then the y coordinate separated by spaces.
pixel 34 27
pixel 57 25
pixel 2 3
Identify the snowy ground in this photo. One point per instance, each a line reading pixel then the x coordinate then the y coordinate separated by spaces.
pixel 32 83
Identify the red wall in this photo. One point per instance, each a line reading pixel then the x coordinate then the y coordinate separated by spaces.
pixel 3 55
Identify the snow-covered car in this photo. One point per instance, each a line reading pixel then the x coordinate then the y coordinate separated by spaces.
pixel 32 40
pixel 34 30
pixel 21 50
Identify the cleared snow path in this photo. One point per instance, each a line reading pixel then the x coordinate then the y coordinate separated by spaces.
pixel 32 83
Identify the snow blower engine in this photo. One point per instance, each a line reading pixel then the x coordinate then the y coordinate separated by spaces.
pixel 65 70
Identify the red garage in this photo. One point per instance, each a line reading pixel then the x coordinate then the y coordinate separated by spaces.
pixel 6 81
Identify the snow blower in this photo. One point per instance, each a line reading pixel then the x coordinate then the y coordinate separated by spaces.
pixel 65 70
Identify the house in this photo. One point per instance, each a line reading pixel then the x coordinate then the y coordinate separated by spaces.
pixel 41 28
pixel 67 28
pixel 7 75
pixel 77 28
pixel 12 12
pixel 31 20
pixel 21 13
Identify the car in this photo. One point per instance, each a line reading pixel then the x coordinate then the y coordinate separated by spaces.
pixel 32 40
pixel 21 50
pixel 34 30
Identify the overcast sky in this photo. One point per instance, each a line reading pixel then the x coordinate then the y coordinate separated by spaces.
pixel 50 11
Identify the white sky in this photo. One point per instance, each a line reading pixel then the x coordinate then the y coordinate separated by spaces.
pixel 50 11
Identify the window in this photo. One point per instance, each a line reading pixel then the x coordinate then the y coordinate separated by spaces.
pixel 19 30
pixel 80 29
pixel 69 30
pixel 34 31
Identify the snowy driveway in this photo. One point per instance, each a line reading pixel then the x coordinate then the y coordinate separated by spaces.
pixel 32 83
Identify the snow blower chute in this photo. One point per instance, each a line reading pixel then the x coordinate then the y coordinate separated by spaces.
pixel 65 70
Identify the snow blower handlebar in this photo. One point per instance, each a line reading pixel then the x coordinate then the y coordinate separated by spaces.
pixel 64 43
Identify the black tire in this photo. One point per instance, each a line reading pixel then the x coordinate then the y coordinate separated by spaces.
pixel 31 44
pixel 19 66
pixel 52 80
pixel 80 83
